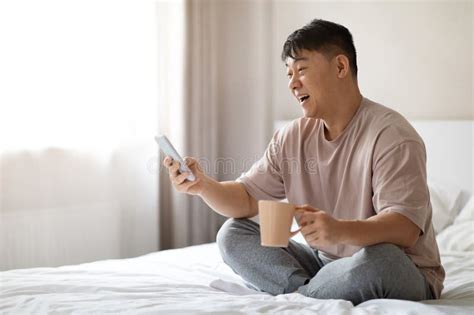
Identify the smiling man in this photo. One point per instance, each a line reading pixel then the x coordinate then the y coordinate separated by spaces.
pixel 363 200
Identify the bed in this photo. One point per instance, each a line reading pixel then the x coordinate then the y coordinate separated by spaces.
pixel 195 279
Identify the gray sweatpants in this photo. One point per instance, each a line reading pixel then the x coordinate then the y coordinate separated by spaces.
pixel 374 272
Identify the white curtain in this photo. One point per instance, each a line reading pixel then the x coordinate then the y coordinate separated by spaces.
pixel 201 108
pixel 219 105
pixel 85 87
pixel 189 115
pixel 78 111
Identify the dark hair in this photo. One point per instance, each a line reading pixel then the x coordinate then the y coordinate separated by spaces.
pixel 325 37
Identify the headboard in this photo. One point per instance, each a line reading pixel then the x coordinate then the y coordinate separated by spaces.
pixel 450 151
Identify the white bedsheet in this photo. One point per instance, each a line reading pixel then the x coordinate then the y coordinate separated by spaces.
pixel 195 280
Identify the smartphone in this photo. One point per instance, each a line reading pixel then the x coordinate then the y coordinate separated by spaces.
pixel 169 150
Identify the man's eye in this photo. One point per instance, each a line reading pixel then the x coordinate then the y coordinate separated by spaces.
pixel 289 75
pixel 301 70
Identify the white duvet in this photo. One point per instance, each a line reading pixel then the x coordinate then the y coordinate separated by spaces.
pixel 195 280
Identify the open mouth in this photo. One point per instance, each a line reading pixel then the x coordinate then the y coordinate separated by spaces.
pixel 303 98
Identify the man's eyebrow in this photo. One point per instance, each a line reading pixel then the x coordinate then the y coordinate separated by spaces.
pixel 296 59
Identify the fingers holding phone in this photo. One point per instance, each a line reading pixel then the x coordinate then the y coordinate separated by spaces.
pixel 180 180
pixel 185 174
pixel 173 166
pixel 169 150
pixel 193 165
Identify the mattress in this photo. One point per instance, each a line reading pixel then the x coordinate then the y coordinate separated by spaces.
pixel 196 280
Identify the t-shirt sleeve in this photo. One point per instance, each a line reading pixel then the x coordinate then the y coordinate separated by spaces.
pixel 399 183
pixel 264 180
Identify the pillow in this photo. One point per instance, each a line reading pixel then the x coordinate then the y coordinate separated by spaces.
pixel 460 235
pixel 467 212
pixel 457 237
pixel 445 201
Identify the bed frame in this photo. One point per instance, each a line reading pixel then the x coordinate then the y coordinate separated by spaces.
pixel 450 152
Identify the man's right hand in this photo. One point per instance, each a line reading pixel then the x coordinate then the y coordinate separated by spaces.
pixel 179 181
pixel 229 199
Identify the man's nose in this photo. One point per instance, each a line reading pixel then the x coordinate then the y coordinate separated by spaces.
pixel 294 83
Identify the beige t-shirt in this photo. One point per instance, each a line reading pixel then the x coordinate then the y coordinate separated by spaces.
pixel 377 164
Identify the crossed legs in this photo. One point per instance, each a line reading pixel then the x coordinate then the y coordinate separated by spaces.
pixel 378 271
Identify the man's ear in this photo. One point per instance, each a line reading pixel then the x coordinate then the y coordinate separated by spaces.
pixel 342 64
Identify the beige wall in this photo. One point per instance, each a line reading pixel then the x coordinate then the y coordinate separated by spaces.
pixel 244 76
pixel 415 57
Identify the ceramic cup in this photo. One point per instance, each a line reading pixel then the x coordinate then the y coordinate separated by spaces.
pixel 275 222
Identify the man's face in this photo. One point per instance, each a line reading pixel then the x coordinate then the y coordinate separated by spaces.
pixel 312 81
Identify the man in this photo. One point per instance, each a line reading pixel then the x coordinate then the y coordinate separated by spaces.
pixel 357 170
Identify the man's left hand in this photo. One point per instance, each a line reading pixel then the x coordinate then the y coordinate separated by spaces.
pixel 318 228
